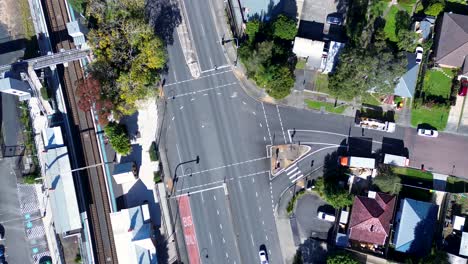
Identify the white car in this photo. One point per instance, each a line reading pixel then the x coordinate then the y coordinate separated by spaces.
pixel 263 257
pixel 419 54
pixel 326 217
pixel 428 133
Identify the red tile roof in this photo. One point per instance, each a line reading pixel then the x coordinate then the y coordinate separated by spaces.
pixel 371 218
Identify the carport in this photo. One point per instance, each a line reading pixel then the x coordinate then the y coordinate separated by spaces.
pixel 310 49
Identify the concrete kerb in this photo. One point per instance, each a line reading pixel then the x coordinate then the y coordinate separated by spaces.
pixel 185 37
pixel 177 229
pixel 272 173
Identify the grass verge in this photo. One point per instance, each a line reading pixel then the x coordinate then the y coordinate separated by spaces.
pixel 321 83
pixel 436 116
pixel 301 63
pixel 329 107
pixel 414 173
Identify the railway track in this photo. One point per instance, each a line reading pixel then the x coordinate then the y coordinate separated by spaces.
pixel 84 134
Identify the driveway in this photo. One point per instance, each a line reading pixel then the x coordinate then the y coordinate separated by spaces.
pixel 455 114
pixel 306 216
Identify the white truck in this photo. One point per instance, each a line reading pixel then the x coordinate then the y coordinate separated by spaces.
pixel 357 162
pixel 375 124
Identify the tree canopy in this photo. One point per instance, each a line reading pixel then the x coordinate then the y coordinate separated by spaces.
pixel 118 138
pixel 387 181
pixel 129 56
pixel 435 8
pixel 376 69
pixel 341 258
pixel 266 55
pixel 284 27
pixel 332 193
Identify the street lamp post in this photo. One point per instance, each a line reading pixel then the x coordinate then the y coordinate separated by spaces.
pixel 174 178
pixel 237 46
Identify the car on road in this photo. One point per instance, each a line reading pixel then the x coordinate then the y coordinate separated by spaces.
pixel 326 217
pixel 419 54
pixel 463 87
pixel 263 257
pixel 334 19
pixel 428 133
pixel 2 254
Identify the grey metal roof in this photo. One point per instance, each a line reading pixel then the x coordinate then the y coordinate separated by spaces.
pixel 407 83
pixel 416 222
pixel 62 194
pixel 452 40
pixel 464 244
pixel 262 9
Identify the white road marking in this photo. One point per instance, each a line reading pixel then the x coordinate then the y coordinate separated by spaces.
pixel 214 197
pixel 199 191
pixel 217 211
pixel 201 185
pixel 221 226
pixel 201 77
pixel 224 242
pixel 253 179
pixel 251 174
pixel 298 178
pixel 251 238
pixel 181 107
pixel 193 99
pixel 202 198
pixel 173 118
pixel 204 90
pixel 263 222
pixel 281 123
pixel 254 113
pixel 203 126
pixel 211 239
pixel 291 171
pixel 256 193
pixel 205 94
pixel 234 95
pixel 266 237
pixel 260 124
pixel 244 102
pixel 240 186
pixel 229 165
pixel 259 209
pixel 295 174
pixel 268 127
pixel 219 93
pixel 216 68
pixel 264 138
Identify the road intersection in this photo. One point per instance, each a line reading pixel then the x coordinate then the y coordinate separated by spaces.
pixel 231 193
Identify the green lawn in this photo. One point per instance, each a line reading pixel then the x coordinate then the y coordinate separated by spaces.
pixel 435 116
pixel 437 84
pixel 370 99
pixel 329 107
pixel 414 173
pixel 321 83
pixel 407 5
pixel 389 28
pixel 415 193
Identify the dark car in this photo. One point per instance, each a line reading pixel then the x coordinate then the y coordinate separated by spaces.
pixel 335 19
pixel 463 87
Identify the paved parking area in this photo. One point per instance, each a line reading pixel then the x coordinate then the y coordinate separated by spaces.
pixel 306 215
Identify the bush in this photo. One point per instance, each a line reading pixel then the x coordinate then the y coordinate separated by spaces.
pixel 118 138
pixel 293 200
pixel 45 93
pixel 284 28
pixel 157 177
pixel 30 179
pixel 387 180
pixel 153 152
pixel 434 9
pixel 332 193
pixel 341 258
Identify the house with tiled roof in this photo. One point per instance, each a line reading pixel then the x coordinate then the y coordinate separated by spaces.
pixel 371 218
pixel 451 42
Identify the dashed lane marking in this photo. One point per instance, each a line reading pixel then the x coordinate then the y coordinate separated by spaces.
pixel 268 127
pixel 226 166
pixel 202 77
pixel 281 123
pixel 203 90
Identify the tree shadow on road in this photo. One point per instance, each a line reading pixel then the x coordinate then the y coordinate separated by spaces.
pixel 164 17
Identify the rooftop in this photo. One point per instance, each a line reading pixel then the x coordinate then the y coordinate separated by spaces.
pixel 464 244
pixel 371 217
pixel 62 193
pixel 415 226
pixel 451 42
pixel 133 235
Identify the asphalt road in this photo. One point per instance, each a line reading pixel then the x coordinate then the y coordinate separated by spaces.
pixel 230 191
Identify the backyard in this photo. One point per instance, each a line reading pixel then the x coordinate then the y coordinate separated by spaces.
pixel 390 24
pixel 321 83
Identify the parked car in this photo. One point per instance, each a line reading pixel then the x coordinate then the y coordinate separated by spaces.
pixel 326 217
pixel 334 19
pixel 463 87
pixel 428 133
pixel 419 54
pixel 263 257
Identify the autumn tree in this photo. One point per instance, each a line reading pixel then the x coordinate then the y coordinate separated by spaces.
pixel 127 49
pixel 90 96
